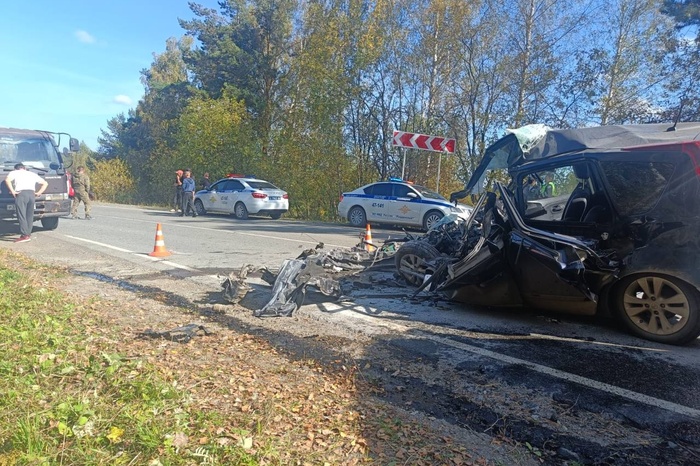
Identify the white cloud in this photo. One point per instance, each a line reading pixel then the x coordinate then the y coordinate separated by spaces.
pixel 122 99
pixel 84 37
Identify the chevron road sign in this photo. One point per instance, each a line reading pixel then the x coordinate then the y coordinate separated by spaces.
pixel 424 142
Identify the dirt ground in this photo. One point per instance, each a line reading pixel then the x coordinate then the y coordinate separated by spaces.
pixel 310 375
pixel 336 394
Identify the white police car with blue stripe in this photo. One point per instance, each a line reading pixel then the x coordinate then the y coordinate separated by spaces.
pixel 398 203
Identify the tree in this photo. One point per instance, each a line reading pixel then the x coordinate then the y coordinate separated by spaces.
pixel 244 50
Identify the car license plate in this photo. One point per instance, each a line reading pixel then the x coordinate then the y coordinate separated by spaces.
pixel 10 207
pixel 274 198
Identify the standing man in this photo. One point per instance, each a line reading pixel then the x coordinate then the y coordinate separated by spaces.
pixel 178 191
pixel 548 188
pixel 188 188
pixel 81 186
pixel 205 181
pixel 22 185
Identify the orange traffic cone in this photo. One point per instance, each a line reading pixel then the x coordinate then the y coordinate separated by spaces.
pixel 369 245
pixel 159 249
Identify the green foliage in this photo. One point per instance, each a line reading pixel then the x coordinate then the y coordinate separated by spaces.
pixel 68 399
pixel 308 94
pixel 112 181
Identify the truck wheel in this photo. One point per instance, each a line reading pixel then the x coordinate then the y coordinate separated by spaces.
pixel 658 307
pixel 410 260
pixel 49 223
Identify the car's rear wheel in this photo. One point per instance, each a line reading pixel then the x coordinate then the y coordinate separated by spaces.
pixel 240 211
pixel 357 217
pixel 410 260
pixel 275 216
pixel 199 207
pixel 431 218
pixel 49 223
pixel 658 307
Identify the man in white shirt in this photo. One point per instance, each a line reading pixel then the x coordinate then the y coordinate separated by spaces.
pixel 22 185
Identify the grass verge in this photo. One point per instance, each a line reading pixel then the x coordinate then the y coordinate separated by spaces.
pixel 78 388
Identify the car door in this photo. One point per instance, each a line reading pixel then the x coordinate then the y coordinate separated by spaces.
pixel 553 270
pixel 235 192
pixel 221 199
pixel 405 206
pixel 211 199
pixel 378 205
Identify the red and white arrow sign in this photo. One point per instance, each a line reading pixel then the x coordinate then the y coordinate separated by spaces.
pixel 424 142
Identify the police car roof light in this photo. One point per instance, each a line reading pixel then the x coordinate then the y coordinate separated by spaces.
pixel 393 178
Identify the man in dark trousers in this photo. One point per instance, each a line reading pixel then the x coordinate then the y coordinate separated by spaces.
pixel 188 189
pixel 81 186
pixel 178 191
pixel 22 185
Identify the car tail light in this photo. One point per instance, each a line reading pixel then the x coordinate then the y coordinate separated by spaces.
pixel 285 196
pixel 258 195
pixel 691 149
pixel 341 198
pixel 69 185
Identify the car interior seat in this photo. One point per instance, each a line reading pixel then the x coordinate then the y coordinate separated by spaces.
pixel 577 203
pixel 598 211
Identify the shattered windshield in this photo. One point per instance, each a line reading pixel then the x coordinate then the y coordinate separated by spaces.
pixel 32 152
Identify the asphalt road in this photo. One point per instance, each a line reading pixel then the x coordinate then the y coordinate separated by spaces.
pixel 584 362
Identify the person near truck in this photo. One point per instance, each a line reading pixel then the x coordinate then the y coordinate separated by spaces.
pixel 188 189
pixel 22 185
pixel 81 188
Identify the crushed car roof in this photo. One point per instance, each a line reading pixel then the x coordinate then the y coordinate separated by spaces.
pixel 542 142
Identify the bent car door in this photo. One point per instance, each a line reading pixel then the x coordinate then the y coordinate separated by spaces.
pixel 555 271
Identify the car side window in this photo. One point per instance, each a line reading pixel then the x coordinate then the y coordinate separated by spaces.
pixel 401 190
pixel 380 190
pixel 635 187
pixel 234 185
pixel 568 193
pixel 217 186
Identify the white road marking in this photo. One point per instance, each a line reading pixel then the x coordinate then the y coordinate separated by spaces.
pixel 586 382
pixel 166 262
pixel 145 256
pixel 569 377
pixel 238 232
pixel 99 244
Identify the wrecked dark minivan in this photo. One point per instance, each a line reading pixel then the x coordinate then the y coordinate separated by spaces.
pixel 602 219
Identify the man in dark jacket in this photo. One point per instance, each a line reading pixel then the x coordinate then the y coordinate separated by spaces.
pixel 205 181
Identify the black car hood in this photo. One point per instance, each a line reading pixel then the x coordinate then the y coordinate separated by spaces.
pixel 508 153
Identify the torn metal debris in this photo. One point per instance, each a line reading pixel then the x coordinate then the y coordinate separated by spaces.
pixel 321 270
pixel 180 334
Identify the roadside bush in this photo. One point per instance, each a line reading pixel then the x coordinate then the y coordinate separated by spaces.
pixel 112 181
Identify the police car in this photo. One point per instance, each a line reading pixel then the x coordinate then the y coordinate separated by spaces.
pixel 398 203
pixel 240 196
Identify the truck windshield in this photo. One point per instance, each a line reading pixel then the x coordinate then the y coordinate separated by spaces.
pixel 32 152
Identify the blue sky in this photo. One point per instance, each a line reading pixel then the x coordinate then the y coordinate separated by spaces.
pixel 71 65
